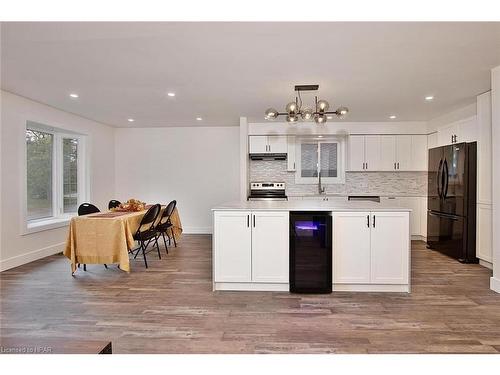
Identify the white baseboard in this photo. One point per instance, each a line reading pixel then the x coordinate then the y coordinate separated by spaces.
pixel 284 287
pixel 395 288
pixel 495 284
pixel 260 287
pixel 416 237
pixel 197 230
pixel 19 260
pixel 486 264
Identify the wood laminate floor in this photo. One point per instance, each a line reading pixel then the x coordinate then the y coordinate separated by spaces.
pixel 170 308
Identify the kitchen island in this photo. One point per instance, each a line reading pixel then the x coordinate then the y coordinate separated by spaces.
pixel 370 245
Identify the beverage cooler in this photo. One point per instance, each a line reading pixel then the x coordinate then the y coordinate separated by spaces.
pixel 310 252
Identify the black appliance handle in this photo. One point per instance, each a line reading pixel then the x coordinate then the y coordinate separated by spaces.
pixel 248 221
pixel 439 177
pixel 254 221
pixel 368 221
pixel 446 179
pixel 451 217
pixel 374 221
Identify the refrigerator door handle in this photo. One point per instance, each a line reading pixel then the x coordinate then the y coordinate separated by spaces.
pixel 445 189
pixel 451 217
pixel 439 177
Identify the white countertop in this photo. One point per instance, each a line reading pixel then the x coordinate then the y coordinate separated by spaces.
pixel 308 205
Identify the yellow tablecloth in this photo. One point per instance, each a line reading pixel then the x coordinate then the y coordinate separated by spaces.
pixel 106 240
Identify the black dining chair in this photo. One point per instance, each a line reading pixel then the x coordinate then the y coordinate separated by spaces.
pixel 113 203
pixel 165 224
pixel 146 233
pixel 86 209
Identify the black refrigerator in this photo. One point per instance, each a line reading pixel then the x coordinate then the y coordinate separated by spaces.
pixel 451 202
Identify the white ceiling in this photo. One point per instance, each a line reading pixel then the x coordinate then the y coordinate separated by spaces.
pixel 221 71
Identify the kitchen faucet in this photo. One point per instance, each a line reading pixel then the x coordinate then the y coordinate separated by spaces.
pixel 321 189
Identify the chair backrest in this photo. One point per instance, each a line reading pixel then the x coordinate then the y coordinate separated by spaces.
pixel 150 216
pixel 87 208
pixel 113 203
pixel 167 212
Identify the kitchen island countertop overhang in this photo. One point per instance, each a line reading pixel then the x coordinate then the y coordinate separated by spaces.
pixel 350 206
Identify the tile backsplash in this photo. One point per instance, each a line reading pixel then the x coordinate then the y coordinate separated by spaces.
pixel 356 183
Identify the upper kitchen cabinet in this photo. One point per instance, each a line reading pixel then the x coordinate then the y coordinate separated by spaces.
pixel 268 144
pixel 457 132
pixel 388 153
pixel 418 153
pixel 364 152
pixel 356 160
pixel 432 140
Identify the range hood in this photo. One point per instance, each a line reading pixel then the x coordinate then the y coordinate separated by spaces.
pixel 267 156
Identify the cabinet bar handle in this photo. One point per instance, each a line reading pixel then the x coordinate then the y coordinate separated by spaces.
pixel 366 165
pixel 368 221
pixel 248 221
pixel 254 221
pixel 394 165
pixel 398 164
pixel 374 221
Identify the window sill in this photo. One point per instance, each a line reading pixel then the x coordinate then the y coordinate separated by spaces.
pixel 47 224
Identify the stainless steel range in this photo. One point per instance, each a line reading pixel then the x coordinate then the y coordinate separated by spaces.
pixel 274 191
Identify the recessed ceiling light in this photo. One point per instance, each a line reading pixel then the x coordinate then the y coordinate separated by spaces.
pixel 429 98
pixel 198 119
pixel 329 117
pixel 392 117
pixel 73 95
pixel 171 94
pixel 320 136
pixel 130 120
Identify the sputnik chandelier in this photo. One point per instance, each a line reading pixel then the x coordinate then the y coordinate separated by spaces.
pixel 296 110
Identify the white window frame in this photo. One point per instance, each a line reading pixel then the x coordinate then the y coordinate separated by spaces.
pixel 341 159
pixel 58 218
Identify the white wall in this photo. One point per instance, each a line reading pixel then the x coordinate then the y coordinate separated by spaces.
pixel 197 166
pixel 17 249
pixel 456 115
pixel 495 132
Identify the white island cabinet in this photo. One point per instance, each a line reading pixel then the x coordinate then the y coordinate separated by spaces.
pixel 370 245
pixel 251 247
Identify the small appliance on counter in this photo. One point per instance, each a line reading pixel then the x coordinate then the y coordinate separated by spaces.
pixel 310 252
pixel 274 191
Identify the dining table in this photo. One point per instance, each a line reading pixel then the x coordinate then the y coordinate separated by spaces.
pixel 107 237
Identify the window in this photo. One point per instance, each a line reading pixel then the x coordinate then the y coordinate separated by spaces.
pixel 323 156
pixel 55 175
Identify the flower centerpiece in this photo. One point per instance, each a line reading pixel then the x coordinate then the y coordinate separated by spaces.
pixel 131 205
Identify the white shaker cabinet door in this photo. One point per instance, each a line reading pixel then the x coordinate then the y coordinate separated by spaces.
pixel 278 144
pixel 387 153
pixel 232 246
pixel 351 248
pixel 418 153
pixel 403 152
pixel 389 247
pixel 356 153
pixel 270 246
pixel 372 152
pixel 257 144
